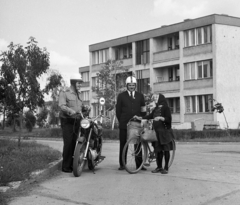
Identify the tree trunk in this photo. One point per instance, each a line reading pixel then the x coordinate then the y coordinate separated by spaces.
pixel 14 124
pixel 4 116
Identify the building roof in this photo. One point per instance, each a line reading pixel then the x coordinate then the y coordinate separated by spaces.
pixel 168 29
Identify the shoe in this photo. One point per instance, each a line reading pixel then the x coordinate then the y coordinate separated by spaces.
pixel 164 171
pixel 144 169
pixel 66 170
pixel 157 170
pixel 146 164
pixel 121 168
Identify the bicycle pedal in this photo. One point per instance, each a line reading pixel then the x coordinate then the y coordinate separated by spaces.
pixel 102 157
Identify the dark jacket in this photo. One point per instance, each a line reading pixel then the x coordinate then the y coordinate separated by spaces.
pixel 162 110
pixel 162 128
pixel 127 107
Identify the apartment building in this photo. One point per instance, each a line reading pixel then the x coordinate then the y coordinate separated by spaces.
pixel 191 63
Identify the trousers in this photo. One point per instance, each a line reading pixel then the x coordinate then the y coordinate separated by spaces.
pixel 70 129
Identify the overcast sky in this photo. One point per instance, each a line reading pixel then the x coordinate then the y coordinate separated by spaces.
pixel 67 27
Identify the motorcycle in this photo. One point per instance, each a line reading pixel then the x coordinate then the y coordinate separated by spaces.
pixel 88 147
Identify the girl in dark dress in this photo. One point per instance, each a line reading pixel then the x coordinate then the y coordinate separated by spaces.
pixel 162 123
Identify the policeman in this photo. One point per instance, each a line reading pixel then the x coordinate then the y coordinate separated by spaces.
pixel 128 104
pixel 70 104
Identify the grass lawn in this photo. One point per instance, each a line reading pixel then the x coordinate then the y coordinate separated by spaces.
pixel 17 163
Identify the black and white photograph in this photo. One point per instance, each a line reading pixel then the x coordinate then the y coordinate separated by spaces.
pixel 119 102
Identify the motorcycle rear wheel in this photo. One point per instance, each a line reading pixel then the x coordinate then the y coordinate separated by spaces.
pixel 78 161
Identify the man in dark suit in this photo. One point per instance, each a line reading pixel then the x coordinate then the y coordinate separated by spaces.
pixel 129 104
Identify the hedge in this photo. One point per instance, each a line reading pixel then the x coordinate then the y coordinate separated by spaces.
pixel 181 135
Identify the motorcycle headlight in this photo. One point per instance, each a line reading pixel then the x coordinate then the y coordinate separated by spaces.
pixel 85 124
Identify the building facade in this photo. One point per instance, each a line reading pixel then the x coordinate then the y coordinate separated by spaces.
pixel 191 63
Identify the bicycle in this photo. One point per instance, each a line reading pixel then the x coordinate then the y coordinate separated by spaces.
pixel 138 149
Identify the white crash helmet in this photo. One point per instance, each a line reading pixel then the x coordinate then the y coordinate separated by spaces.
pixel 76 78
pixel 131 79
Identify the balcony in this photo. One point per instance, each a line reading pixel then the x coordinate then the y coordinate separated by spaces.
pixel 85 84
pixel 197 84
pixel 196 50
pixel 168 55
pixel 166 86
pixel 97 67
pixel 175 117
pixel 127 62
pixel 190 117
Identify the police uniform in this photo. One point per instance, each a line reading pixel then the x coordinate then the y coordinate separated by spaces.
pixel 70 103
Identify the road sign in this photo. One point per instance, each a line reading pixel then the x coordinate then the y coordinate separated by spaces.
pixel 102 101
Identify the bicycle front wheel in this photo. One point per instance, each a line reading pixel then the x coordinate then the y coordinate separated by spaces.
pixel 134 155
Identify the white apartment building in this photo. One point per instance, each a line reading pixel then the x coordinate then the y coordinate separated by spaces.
pixel 190 62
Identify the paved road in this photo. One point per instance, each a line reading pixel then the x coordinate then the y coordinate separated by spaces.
pixel 206 174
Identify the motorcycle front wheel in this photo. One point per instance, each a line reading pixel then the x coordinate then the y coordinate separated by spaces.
pixel 78 161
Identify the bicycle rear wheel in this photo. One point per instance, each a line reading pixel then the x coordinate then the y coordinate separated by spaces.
pixel 172 154
pixel 134 151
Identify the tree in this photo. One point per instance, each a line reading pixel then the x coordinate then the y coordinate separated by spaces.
pixel 30 120
pixel 54 84
pixel 110 81
pixel 42 117
pixel 21 67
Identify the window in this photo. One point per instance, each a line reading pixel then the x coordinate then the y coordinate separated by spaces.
pixel 142 54
pixel 174 104
pixel 143 85
pixel 143 80
pixel 203 69
pixel 192 35
pixel 198 36
pixel 170 74
pixel 173 73
pixel 170 43
pixel 85 76
pixel 190 105
pixel 177 73
pixel 208 103
pixel 123 51
pixel 95 109
pixel 200 103
pixel 171 104
pixel 189 71
pixel 186 38
pixel 189 37
pixel 187 105
pixel 176 39
pixel 100 56
pixel 203 103
pixel 95 82
pixel 85 95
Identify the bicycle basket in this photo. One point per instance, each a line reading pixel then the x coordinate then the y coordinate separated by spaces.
pixel 134 129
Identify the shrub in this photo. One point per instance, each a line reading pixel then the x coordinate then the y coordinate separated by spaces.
pixel 110 134
pixel 30 120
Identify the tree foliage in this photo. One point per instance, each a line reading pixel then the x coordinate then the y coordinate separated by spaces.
pixel 54 84
pixel 110 81
pixel 30 120
pixel 20 69
pixel 42 117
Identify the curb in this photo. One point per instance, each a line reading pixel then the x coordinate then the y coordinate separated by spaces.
pixel 52 167
pixel 34 176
